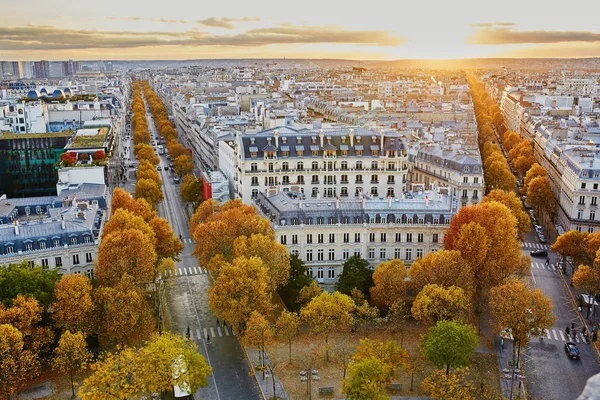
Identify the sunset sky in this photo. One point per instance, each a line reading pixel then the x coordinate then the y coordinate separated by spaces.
pixel 375 29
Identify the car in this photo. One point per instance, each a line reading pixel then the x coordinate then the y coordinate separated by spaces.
pixel 572 350
pixel 159 168
pixel 166 168
pixel 176 179
pixel 539 253
pixel 542 238
pixel 538 229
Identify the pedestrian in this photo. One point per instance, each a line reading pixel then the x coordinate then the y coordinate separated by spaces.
pixel 187 333
pixel 574 333
pixel 568 330
pixel 547 260
pixel 208 339
pixel 217 321
pixel 572 325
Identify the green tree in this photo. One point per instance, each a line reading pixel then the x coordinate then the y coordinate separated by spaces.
pixel 366 379
pixel 449 344
pixel 297 280
pixel 71 355
pixel 21 279
pixel 356 274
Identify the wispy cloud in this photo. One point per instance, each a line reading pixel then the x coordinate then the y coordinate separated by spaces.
pixel 225 22
pixel 491 24
pixel 43 37
pixel 163 20
pixel 512 36
pixel 126 18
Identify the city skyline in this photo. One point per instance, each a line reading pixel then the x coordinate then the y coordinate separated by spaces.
pixel 380 30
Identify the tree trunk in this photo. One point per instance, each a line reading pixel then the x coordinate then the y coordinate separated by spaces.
pixel 412 380
pixel 290 348
pixel 72 385
pixel 326 348
pixel 447 369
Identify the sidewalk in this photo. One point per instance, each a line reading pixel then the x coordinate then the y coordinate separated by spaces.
pixel 265 385
pixel 506 370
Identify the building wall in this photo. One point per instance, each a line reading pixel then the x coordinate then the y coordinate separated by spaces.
pixel 79 175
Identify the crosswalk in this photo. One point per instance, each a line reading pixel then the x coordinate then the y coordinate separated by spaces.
pixel 212 332
pixel 558 335
pixel 187 240
pixel 534 245
pixel 542 265
pixel 186 271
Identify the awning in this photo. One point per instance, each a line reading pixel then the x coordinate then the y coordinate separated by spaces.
pixel 374 147
pixel 253 149
pixel 358 147
pixel 314 148
pixel 299 148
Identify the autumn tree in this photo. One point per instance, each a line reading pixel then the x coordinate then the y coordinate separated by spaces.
pixel 523 310
pixel 454 386
pixel 363 313
pixel 298 279
pixel 309 292
pixel 510 140
pixel 183 165
pixel 123 220
pixel 17 365
pixel 356 274
pixel 572 244
pixel 71 355
pixel 535 171
pixel 436 303
pixel 258 333
pixel 124 314
pixel 191 190
pixel 25 314
pixel 390 353
pixel 175 149
pixel 148 171
pixel 449 344
pixel 513 203
pixel 540 195
pixel 275 256
pixel 444 268
pixel 146 152
pixel 588 279
pixel 328 312
pixel 397 316
pixel 158 356
pixel 366 380
pixel 287 327
pixel 205 210
pixel 499 176
pixel 73 309
pixel 22 279
pixel 389 281
pixel 117 376
pixel 123 199
pixel 168 244
pixel 128 252
pixel 148 189
pixel 241 287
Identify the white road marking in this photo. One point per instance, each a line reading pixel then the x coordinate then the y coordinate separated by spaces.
pixel 204 271
pixel 547 333
pixel 531 271
pixel 212 332
pixel 198 336
pixel 226 331
pixel 195 270
pixel 554 334
pixel 205 333
pixel 562 336
pixel 219 331
pixel 553 267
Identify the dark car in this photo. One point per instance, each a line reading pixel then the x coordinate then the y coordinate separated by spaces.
pixel 539 253
pixel 572 350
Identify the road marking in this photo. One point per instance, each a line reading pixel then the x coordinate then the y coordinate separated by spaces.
pixel 198 336
pixel 219 331
pixel 554 334
pixel 204 271
pixel 205 333
pixel 531 271
pixel 226 331
pixel 195 270
pixel 577 338
pixel 212 332
pixel 562 336
pixel 553 267
pixel 547 333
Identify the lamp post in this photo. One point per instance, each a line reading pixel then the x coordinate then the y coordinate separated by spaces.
pixel 309 375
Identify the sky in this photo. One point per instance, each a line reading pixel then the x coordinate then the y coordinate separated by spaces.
pixel 350 29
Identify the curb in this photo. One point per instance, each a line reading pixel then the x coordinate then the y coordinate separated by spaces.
pixel 254 373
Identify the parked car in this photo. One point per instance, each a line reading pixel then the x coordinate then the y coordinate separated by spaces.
pixel 539 253
pixel 542 238
pixel 166 168
pixel 572 350
pixel 159 168
pixel 176 179
pixel 538 229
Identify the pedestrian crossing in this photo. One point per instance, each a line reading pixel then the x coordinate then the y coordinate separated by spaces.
pixel 541 265
pixel 186 271
pixel 556 334
pixel 534 245
pixel 212 332
pixel 187 240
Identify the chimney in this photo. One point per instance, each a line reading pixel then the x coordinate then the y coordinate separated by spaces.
pixel 300 202
pixel 364 201
pixel 390 201
pixel 16 224
pixel 381 144
pixel 62 223
pixel 321 134
pixel 276 136
pixel 426 201
pixel 337 202
pixel 351 134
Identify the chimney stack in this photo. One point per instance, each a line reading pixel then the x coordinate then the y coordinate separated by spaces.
pixel 426 201
pixel 62 223
pixel 16 224
pixel 321 134
pixel 276 136
pixel 364 201
pixel 300 202
pixel 337 202
pixel 390 201
pixel 351 134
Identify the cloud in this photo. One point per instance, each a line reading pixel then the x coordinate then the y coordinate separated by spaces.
pixel 166 21
pixel 126 18
pixel 512 36
pixel 43 37
pixel 225 22
pixel 163 20
pixel 492 24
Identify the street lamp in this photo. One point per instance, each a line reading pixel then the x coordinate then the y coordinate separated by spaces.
pixel 309 375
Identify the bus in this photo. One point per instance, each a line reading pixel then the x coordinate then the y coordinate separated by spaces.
pixel 161 149
pixel 181 390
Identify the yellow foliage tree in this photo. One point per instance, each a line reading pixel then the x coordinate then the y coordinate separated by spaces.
pixel 513 203
pixel 148 189
pixel 71 355
pixel 275 256
pixel 445 268
pixel 73 309
pixel 17 365
pixel 435 303
pixel 389 283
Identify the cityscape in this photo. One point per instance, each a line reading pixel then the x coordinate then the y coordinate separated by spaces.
pixel 242 202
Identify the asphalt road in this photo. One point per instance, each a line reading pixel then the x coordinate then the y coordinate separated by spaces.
pixel 187 299
pixel 550 374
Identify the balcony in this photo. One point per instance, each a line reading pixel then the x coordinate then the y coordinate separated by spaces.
pixel 344 181
pixel 359 181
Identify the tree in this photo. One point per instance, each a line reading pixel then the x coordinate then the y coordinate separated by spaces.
pixel 356 274
pixel 167 244
pixel 123 220
pixel 389 281
pixel 436 303
pixel 572 244
pixel 124 313
pixel 241 287
pixel 535 171
pixel 21 279
pixel 449 344
pixel 144 151
pixel 175 149
pixel 140 207
pixel 125 252
pixel 390 353
pixel 297 280
pixel 116 376
pixel 148 173
pixel 328 312
pixel 342 354
pixel 183 165
pixel 158 356
pixel 71 355
pixel 25 314
pixel 510 140
pixel 73 309
pixel 287 327
pixel 588 279
pixel 191 190
pixel 397 316
pixel 274 255
pixel 445 268
pixel 513 203
pixel 309 292
pixel 205 210
pixel 366 379
pixel 499 176
pixel 453 386
pixel 525 311
pixel 258 333
pixel 363 313
pixel 148 189
pixel 540 195
pixel 17 365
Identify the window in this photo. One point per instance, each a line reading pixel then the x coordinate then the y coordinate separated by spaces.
pixel 332 238
pixel 73 240
pixel 594 201
pixel 320 273
pixel 357 252
pixel 580 214
pixel 346 237
pixel 331 273
pixel 465 193
pixel 383 237
pixel 283 239
pixel 578 228
pixel 397 253
pixel 359 165
pixel 58 261
pixel 374 179
pixel 465 179
pixel 294 239
pixel 285 166
pixel 592 215
pixel 89 257
pixel 331 254
pixel 371 237
pixel 315 165
pixel 28 246
pixel 31 264
pixel 408 255
pixel 371 253
pixel 253 167
pixel 90 273
pixel 254 181
pixel 346 254
pixel 344 166
pixel 357 237
pixel 374 165
pixel 382 253
pixel 420 237
pixel 419 253
pixel 435 238
pixel 581 199
pixel 45 262
pixel 320 238
pixel 398 238
pixel 309 272
pixel 320 254
pixel 583 185
pixel 374 191
pixel 295 253
pixel 309 254
pixel 409 237
pixel 42 245
pixel 309 238
pixel 75 259
pixel 359 178
pixel 476 179
pixel 56 242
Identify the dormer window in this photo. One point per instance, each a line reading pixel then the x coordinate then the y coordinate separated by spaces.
pixel 314 139
pixel 343 139
pixel 56 242
pixel 86 239
pixel 73 240
pixel 28 246
pixel 9 249
pixel 251 140
pixel 358 139
pixel 299 139
pixel 284 139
